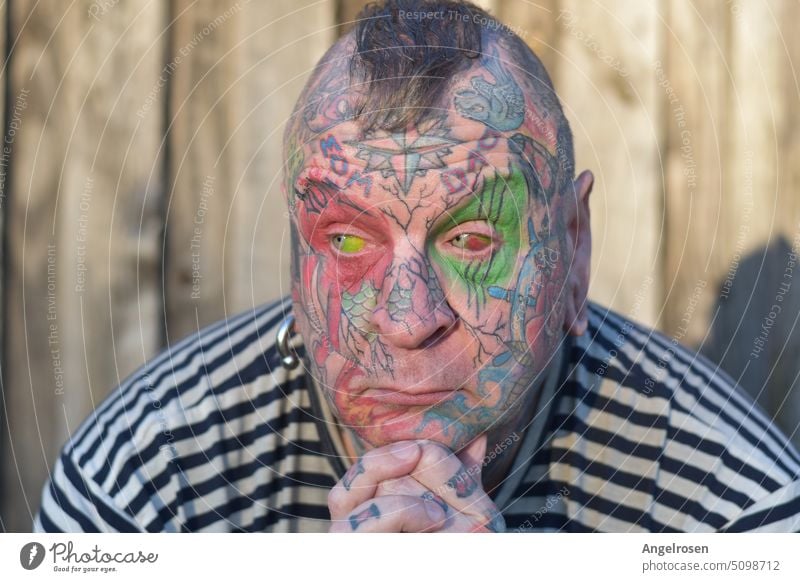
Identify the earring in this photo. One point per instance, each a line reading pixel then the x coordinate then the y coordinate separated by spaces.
pixel 289 359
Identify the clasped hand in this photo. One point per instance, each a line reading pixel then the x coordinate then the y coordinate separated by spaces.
pixel 415 486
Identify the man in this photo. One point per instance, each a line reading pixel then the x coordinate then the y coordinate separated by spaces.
pixel 454 376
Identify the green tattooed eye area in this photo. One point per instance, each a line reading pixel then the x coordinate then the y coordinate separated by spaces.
pixel 471 241
pixel 347 243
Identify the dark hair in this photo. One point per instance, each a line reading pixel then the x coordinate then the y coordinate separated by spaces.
pixel 405 59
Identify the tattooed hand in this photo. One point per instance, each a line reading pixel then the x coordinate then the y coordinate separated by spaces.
pixel 415 486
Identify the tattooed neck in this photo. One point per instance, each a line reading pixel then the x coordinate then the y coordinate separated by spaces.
pixel 503 443
pixel 353 445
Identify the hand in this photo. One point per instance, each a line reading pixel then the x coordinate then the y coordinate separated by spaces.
pixel 415 486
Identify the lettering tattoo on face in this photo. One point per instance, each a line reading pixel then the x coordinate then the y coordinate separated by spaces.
pixel 428 260
pixel 370 512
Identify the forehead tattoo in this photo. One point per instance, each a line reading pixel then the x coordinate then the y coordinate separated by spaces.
pixel 403 157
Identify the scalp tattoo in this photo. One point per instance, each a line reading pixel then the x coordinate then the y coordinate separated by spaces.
pixel 500 105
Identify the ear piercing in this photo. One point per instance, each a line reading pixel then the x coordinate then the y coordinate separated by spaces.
pixel 289 359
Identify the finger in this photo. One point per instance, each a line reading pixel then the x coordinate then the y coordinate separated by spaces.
pixel 472 455
pixel 361 480
pixel 412 488
pixel 492 521
pixel 395 513
pixel 495 523
pixel 406 485
pixel 443 473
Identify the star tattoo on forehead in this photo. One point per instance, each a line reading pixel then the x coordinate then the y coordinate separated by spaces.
pixel 403 156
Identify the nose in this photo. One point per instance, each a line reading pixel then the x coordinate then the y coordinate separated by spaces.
pixel 411 311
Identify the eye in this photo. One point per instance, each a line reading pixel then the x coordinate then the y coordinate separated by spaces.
pixel 347 243
pixel 470 241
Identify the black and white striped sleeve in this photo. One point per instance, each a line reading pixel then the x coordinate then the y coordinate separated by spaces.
pixel 74 502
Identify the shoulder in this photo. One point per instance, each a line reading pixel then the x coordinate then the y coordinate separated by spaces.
pixel 188 400
pixel 199 372
pixel 673 424
pixel 657 367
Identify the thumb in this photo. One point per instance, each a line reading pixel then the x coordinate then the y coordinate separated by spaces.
pixel 472 455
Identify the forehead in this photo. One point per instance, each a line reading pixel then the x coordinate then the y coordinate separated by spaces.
pixel 488 117
pixel 437 155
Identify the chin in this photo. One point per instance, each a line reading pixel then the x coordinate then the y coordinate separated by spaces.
pixel 453 435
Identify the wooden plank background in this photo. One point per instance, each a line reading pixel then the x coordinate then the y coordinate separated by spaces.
pixel 140 197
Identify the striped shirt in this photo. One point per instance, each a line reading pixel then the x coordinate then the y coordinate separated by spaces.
pixel 636 433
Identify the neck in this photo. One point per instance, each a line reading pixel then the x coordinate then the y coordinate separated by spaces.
pixel 502 444
pixel 354 446
pixel 498 468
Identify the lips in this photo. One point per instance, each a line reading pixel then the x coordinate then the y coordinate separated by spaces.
pixel 401 398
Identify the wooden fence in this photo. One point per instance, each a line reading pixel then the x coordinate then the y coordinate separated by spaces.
pixel 139 185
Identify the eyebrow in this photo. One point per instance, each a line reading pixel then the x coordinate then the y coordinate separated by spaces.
pixel 327 184
pixel 502 178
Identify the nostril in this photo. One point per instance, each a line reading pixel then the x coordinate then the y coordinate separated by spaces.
pixel 437 336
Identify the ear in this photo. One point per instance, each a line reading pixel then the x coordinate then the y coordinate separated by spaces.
pixel 579 242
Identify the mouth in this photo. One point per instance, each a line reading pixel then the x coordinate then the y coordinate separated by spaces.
pixel 392 397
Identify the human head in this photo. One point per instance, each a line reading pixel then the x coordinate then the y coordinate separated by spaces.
pixel 440 247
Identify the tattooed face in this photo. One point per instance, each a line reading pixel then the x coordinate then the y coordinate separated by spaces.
pixel 427 263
